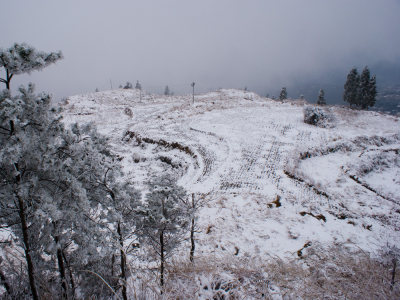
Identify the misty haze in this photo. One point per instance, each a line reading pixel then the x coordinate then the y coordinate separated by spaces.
pixel 200 149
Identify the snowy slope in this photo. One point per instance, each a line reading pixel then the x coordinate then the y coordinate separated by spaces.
pixel 270 183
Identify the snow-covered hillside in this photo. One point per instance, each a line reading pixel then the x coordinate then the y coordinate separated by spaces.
pixel 271 184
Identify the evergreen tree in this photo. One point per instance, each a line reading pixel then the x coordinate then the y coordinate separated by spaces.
pixel 166 91
pixel 372 92
pixel 98 172
pixel 138 86
pixel 283 94
pixel 321 97
pixel 32 176
pixel 360 91
pixel 22 58
pixel 165 218
pixel 21 169
pixel 60 191
pixel 351 88
pixel 54 196
pixel 125 199
pixel 367 89
pixel 364 89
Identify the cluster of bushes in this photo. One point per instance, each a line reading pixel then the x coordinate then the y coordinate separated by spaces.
pixel 317 116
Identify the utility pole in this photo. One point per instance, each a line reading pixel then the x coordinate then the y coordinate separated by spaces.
pixel 192 85
pixel 111 84
pixel 139 87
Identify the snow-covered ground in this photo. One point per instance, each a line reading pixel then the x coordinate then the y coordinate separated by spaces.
pixel 270 183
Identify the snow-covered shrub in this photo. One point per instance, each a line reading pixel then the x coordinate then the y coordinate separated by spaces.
pixel 137 157
pixel 317 116
pixel 128 85
pixel 128 112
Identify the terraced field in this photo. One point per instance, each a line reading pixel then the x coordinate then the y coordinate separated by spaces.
pixel 247 156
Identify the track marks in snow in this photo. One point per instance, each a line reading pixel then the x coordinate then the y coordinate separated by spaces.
pixel 208 159
pixel 240 153
pixel 213 151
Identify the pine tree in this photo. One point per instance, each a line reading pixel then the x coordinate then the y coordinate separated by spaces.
pixel 22 58
pixel 60 191
pixel 95 168
pixel 25 154
pixel 54 195
pixel 360 91
pixel 125 200
pixel 351 88
pixel 367 89
pixel 321 97
pixel 364 89
pixel 166 91
pixel 372 92
pixel 164 218
pixel 283 94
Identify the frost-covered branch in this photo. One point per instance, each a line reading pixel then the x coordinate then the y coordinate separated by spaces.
pixel 22 58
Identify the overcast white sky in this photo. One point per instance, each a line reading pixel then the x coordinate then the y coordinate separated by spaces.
pixel 260 44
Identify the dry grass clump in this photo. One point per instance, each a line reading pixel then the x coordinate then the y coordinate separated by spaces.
pixel 321 273
pixel 227 278
pixel 341 273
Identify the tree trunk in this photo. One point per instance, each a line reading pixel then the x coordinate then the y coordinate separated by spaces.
pixel 393 273
pixel 112 265
pixel 61 270
pixel 8 79
pixel 114 277
pixel 192 241
pixel 162 259
pixel 28 258
pixel 123 262
pixel 11 127
pixel 71 277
